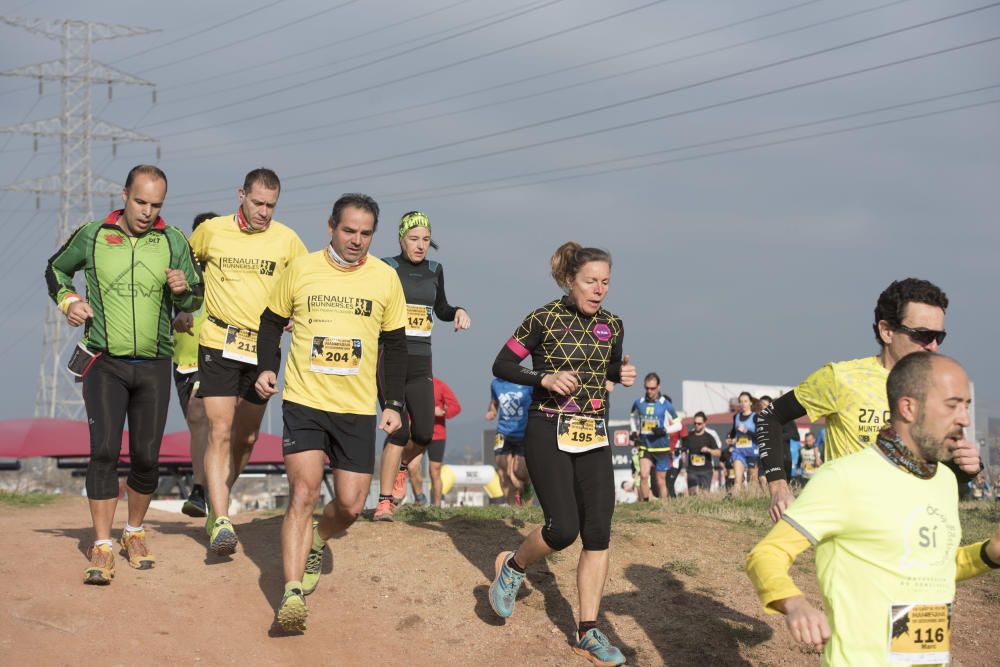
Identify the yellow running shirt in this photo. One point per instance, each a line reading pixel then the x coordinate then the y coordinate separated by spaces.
pixel 851 396
pixel 240 270
pixel 870 561
pixel 338 317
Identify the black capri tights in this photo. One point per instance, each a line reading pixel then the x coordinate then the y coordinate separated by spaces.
pixel 418 417
pixel 576 491
pixel 112 390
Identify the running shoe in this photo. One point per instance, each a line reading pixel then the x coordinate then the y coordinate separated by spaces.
pixel 101 570
pixel 503 590
pixel 223 537
pixel 399 487
pixel 195 505
pixel 293 611
pixel 314 565
pixel 420 499
pixel 594 646
pixel 384 510
pixel 138 553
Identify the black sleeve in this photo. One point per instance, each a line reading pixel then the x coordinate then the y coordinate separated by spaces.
pixel 269 341
pixel 442 309
pixel 507 366
pixel 394 363
pixel 614 372
pixel 769 425
pixel 962 476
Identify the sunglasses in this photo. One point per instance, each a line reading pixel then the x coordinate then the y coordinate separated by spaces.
pixel 699 423
pixel 923 336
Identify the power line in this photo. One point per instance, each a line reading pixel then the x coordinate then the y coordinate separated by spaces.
pixel 631 101
pixel 402 196
pixel 408 77
pixel 339 43
pixel 228 21
pixel 196 154
pixel 243 40
pixel 707 143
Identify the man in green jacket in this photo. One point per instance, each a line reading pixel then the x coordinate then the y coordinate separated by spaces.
pixel 136 269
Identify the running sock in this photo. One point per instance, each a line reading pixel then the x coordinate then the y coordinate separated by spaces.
pixel 318 542
pixel 386 496
pixel 585 627
pixel 293 585
pixel 513 564
pixel 104 543
pixel 402 467
pixel 133 529
pixel 197 489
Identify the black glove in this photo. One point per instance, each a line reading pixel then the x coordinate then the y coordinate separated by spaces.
pixel 659 432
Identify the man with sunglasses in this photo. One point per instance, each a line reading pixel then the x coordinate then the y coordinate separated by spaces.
pixel 700 448
pixel 850 395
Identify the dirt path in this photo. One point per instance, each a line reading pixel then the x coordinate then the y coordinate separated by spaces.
pixel 411 594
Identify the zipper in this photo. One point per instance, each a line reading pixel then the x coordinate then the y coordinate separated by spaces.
pixel 135 335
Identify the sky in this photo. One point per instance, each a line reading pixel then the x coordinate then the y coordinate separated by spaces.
pixel 759 171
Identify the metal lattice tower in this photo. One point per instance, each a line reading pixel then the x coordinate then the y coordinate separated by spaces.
pixel 76 184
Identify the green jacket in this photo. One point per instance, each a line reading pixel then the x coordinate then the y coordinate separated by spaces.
pixel 126 285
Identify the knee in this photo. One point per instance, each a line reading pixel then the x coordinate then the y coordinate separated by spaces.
pixel 303 498
pixel 350 508
pixel 143 480
pixel 422 435
pixel 220 430
pixel 559 537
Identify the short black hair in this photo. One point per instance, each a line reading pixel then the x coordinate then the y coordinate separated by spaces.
pixel 767 398
pixel 202 217
pixel 150 170
pixel 700 414
pixel 357 200
pixel 891 305
pixel 266 177
pixel 909 378
pixel 651 376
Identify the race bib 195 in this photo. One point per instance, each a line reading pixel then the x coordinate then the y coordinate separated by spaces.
pixel 576 434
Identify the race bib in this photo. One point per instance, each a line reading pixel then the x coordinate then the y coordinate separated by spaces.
pixel 808 467
pixel 743 442
pixel 576 434
pixel 419 320
pixel 187 369
pixel 331 355
pixel 697 459
pixel 498 442
pixel 731 474
pixel 919 634
pixel 240 345
pixel 648 425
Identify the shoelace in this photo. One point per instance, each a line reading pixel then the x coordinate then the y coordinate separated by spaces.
pixel 510 577
pixel 314 561
pixel 100 555
pixel 599 638
pixel 134 541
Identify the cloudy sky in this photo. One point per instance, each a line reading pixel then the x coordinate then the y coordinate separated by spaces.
pixel 760 171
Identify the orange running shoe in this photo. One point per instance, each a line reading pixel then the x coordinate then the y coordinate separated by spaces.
pixel 399 487
pixel 138 553
pixel 101 570
pixel 384 510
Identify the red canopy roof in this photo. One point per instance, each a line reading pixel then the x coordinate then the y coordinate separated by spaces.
pixel 67 438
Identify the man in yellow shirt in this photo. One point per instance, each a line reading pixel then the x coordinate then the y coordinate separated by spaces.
pixel 887 576
pixel 850 395
pixel 244 255
pixel 344 303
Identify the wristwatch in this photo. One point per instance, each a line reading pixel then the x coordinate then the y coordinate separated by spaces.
pixel 394 404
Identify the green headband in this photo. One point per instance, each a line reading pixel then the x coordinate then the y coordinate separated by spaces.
pixel 411 220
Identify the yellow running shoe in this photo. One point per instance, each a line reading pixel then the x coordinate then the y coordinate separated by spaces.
pixel 293 611
pixel 223 537
pixel 138 553
pixel 101 570
pixel 210 522
pixel 314 563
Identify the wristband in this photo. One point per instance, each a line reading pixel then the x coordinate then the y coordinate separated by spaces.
pixel 986 557
pixel 394 404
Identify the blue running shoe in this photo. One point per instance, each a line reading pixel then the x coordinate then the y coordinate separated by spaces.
pixel 594 646
pixel 503 590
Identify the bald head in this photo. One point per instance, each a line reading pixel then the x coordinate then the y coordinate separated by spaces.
pixel 929 400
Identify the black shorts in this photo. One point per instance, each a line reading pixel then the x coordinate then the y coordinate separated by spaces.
pixel 435 451
pixel 226 377
pixel 185 383
pixel 348 440
pixel 700 478
pixel 511 446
